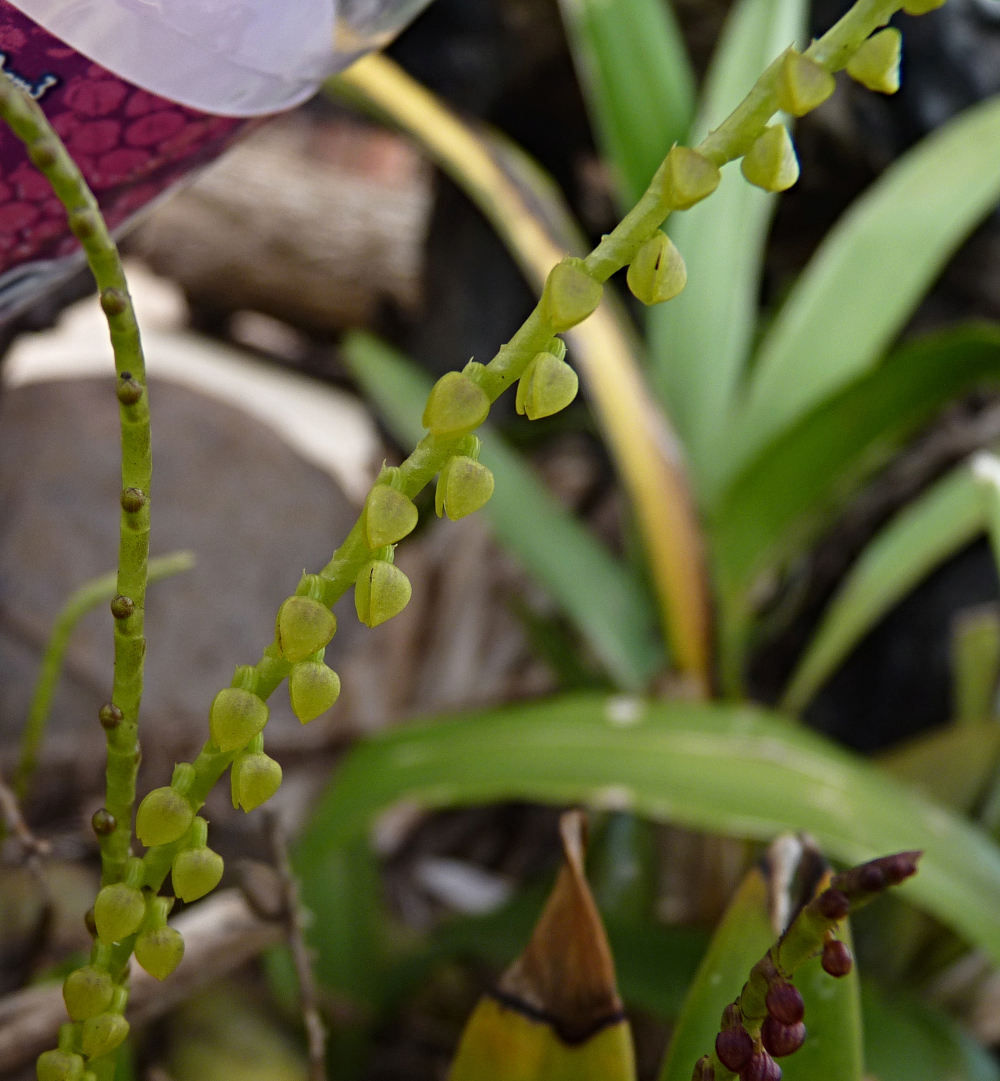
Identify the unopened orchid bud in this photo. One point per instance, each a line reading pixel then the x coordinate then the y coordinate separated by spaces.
pixel 837 959
pixel 389 516
pixel 235 718
pixel 102 1034
pixel 734 1046
pixel 164 816
pixel 313 688
pixel 463 487
pixel 87 992
pixel 255 779
pixel 834 904
pixel 771 163
pixel 703 1070
pixel 779 1039
pixel 570 295
pixel 688 178
pixel 381 592
pixel 547 386
pixel 784 1003
pixel 159 951
pixel 802 84
pixel 761 1067
pixel 456 406
pixel 303 627
pixel 59 1066
pixel 118 912
pixel 195 872
pixel 876 63
pixel 657 273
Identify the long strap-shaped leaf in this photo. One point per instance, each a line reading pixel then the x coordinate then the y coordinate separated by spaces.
pixel 700 340
pixel 633 67
pixel 864 282
pixel 733 770
pixel 791 491
pixel 946 517
pixel 612 612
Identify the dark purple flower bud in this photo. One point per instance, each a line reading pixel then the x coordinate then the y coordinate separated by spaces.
pixel 834 904
pixel 731 1016
pixel 703 1070
pixel 784 1003
pixel 734 1047
pixel 837 959
pixel 871 878
pixel 900 867
pixel 781 1040
pixel 761 1067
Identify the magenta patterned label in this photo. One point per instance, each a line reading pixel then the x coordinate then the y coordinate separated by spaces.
pixel 130 146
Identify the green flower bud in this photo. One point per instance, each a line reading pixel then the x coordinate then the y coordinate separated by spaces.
pixel 164 816
pixel 381 592
pixel 159 951
pixel 87 992
pixel 312 688
pixel 570 295
pixel 802 84
pixel 657 273
pixel 102 1034
pixel 688 178
pixel 304 626
pixel 118 912
pixel 771 163
pixel 455 406
pixel 195 872
pixel 547 386
pixel 255 779
pixel 235 718
pixel 464 485
pixel 388 517
pixel 876 63
pixel 59 1066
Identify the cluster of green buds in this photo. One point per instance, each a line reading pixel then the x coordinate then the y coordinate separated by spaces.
pixel 303 630
pixel 767 1021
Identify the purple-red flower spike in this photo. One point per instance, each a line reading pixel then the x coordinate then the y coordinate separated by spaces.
pixel 784 1003
pixel 780 1039
pixel 837 959
pixel 734 1047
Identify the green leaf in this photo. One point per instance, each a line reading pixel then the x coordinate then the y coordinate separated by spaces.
pixel 728 769
pixel 633 66
pixel 599 594
pixel 740 941
pixel 871 270
pixel 792 491
pixel 906 1041
pixel 945 518
pixel 700 340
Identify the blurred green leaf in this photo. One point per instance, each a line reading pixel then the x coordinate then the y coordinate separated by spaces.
pixel 906 1041
pixel 633 66
pixel 975 663
pixel 722 768
pixel 781 503
pixel 700 341
pixel 739 942
pixel 599 594
pixel 952 766
pixel 869 273
pixel 935 526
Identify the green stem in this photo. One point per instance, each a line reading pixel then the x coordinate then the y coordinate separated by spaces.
pixel 26 119
pixel 96 592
